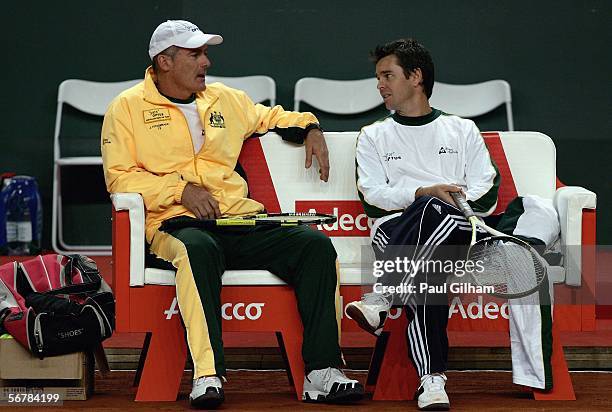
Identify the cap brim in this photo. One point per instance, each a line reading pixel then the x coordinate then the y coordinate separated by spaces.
pixel 199 39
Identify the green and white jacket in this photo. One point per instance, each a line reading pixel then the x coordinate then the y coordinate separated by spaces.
pixel 399 154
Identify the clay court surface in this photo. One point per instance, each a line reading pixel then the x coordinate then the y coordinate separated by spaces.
pixel 257 390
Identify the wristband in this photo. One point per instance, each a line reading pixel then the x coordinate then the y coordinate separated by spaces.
pixel 312 126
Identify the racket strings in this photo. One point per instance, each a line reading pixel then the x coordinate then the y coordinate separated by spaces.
pixel 510 267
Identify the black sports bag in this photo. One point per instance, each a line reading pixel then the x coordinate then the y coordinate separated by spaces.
pixel 56 304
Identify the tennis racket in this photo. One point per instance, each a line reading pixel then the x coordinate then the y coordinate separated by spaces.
pixel 262 219
pixel 511 266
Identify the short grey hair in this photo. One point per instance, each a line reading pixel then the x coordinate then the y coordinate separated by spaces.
pixel 170 51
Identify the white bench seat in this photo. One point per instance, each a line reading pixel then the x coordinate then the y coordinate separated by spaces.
pixel 349 275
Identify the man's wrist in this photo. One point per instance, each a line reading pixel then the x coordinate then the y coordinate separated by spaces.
pixel 312 126
pixel 178 192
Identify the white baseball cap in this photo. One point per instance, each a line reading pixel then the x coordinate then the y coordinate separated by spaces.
pixel 179 33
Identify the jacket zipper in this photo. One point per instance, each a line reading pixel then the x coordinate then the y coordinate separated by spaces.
pixel 195 162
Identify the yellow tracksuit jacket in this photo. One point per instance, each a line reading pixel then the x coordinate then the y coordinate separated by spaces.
pixel 147 147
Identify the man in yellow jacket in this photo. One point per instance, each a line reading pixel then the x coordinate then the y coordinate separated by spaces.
pixel 176 141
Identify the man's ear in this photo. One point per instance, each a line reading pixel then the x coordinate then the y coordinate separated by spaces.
pixel 164 62
pixel 416 77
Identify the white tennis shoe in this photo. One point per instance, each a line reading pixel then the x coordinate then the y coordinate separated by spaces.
pixel 370 312
pixel 206 393
pixel 432 396
pixel 332 386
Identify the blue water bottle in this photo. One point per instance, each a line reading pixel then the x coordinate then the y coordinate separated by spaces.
pixel 22 216
pixel 18 224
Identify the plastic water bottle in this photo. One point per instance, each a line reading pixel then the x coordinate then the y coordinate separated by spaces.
pixel 18 225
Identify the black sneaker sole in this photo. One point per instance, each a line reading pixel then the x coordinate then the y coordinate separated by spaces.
pixel 436 407
pixel 358 317
pixel 210 400
pixel 346 396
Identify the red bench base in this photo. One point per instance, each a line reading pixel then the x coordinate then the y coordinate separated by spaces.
pixel 393 377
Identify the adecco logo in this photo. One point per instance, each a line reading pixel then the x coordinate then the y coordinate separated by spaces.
pixel 229 311
pixel 352 221
pixel 252 311
pixel 474 310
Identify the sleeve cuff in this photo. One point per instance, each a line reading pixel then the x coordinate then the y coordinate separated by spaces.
pixel 411 195
pixel 178 193
pixel 312 126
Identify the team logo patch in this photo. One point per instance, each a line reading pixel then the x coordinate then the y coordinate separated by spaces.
pixel 392 156
pixel 156 115
pixel 216 120
pixel 446 149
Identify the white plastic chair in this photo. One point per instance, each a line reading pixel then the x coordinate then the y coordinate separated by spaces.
pixel 337 96
pixel 91 98
pixel 471 100
pixel 258 88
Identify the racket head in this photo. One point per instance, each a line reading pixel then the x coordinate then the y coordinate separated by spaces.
pixel 511 266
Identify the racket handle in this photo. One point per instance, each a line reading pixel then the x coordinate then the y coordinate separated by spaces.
pixel 462 204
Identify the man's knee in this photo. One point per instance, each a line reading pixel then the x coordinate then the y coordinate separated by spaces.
pixel 422 201
pixel 436 208
pixel 318 256
pixel 427 201
pixel 198 242
pixel 430 207
pixel 316 242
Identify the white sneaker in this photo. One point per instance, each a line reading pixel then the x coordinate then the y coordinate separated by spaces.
pixel 206 393
pixel 432 396
pixel 331 385
pixel 370 312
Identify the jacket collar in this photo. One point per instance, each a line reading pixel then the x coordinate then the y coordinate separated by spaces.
pixel 419 120
pixel 152 95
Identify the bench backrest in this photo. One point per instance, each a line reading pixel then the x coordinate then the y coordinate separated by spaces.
pixel 278 179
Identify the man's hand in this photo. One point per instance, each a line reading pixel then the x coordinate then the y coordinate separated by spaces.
pixel 441 191
pixel 200 202
pixel 315 145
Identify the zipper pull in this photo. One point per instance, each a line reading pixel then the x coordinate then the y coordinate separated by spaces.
pixel 38 335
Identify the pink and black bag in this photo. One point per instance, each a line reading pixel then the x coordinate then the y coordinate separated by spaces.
pixel 56 304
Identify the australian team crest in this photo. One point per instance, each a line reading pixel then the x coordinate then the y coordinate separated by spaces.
pixel 216 120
